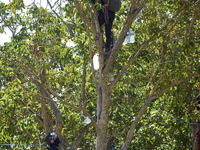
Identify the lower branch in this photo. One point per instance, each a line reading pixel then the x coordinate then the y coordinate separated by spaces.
pixel 53 106
pixel 80 137
pixel 131 131
pixel 30 110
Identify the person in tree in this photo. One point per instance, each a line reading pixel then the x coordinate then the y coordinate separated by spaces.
pixel 107 17
pixel 53 141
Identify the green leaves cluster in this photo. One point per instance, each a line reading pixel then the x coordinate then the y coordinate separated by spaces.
pixel 166 31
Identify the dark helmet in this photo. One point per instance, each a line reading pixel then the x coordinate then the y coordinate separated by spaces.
pixel 49 137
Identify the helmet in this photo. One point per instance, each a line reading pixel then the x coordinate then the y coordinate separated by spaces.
pixel 49 137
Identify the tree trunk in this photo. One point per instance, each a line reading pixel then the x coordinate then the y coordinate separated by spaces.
pixel 194 138
pixel 102 119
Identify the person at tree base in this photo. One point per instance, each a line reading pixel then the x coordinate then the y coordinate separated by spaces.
pixel 53 141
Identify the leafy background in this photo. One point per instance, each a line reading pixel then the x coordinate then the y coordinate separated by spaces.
pixel 168 68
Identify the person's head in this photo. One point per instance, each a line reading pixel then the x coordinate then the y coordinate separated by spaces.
pixel 52 140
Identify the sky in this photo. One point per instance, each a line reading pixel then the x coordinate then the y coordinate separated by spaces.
pixel 5 37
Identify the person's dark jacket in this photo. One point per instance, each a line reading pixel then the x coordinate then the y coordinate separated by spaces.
pixel 52 148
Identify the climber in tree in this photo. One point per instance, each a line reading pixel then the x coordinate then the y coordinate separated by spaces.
pixel 107 16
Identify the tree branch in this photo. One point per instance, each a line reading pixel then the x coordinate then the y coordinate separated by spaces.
pixel 83 85
pixel 69 28
pixel 177 82
pixel 24 130
pixel 143 46
pixel 91 59
pixel 80 137
pixel 158 82
pixel 73 107
pixel 30 110
pixel 53 106
pixel 133 12
pixel 143 110
pixel 132 128
pixel 83 16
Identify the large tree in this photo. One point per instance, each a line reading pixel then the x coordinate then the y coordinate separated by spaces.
pixel 49 86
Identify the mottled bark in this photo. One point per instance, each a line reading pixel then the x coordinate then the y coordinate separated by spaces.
pixel 102 88
pixel 46 117
pixel 53 106
pixel 194 138
pixel 83 85
pixel 102 120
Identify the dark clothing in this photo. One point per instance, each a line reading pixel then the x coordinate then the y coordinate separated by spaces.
pixel 95 0
pixel 108 25
pixel 52 148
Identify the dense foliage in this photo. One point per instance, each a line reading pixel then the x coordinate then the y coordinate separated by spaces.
pixel 47 85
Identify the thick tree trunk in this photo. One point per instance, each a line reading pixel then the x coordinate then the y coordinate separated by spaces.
pixel 102 134
pixel 103 90
pixel 101 137
pixel 102 120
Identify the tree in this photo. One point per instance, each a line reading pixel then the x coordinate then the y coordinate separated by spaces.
pixel 48 86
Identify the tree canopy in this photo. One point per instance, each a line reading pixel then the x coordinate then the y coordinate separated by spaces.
pixel 49 86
